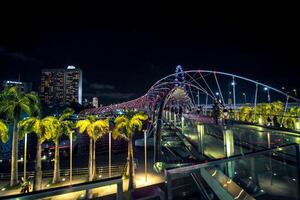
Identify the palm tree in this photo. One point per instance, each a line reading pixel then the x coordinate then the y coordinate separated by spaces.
pixel 95 130
pixel 67 127
pixel 3 132
pixel 12 104
pixel 44 130
pixel 125 127
pixel 85 125
pixel 64 126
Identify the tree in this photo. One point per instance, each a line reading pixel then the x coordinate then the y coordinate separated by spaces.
pixel 95 130
pixel 277 109
pixel 44 130
pixel 291 117
pixel 125 127
pixel 65 126
pixel 3 132
pixel 12 104
pixel 246 114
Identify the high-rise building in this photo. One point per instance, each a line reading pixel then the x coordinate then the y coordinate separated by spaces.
pixel 61 86
pixel 24 86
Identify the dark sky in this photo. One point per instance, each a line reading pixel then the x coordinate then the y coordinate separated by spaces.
pixel 123 52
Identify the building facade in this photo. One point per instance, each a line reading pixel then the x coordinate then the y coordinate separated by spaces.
pixel 61 86
pixel 24 86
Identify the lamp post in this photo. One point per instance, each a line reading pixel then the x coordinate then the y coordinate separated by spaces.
pixel 145 149
pixel 268 91
pixel 25 156
pixel 295 91
pixel 233 92
pixel 245 97
pixel 71 158
pixel 109 152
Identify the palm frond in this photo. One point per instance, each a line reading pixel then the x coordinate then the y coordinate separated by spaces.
pixel 82 125
pixel 100 128
pixel 4 136
pixel 119 130
pixel 66 114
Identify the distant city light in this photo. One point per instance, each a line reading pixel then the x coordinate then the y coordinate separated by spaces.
pixel 14 82
pixel 71 67
pixel 232 83
pixel 217 93
pixel 265 88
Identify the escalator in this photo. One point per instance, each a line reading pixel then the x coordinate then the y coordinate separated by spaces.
pixel 205 191
pixel 177 148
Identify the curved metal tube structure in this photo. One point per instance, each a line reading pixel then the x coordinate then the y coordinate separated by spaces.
pixel 196 82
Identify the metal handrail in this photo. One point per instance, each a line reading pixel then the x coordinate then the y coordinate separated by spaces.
pixel 66 172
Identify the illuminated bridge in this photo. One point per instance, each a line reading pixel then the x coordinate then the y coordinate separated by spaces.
pixel 220 135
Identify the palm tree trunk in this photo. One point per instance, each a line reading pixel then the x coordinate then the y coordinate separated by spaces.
pixel 14 154
pixel 38 168
pixel 130 160
pixel 94 161
pixel 91 168
pixel 90 177
pixel 56 175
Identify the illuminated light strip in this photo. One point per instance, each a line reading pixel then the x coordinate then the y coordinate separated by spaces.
pixel 238 196
pixel 215 172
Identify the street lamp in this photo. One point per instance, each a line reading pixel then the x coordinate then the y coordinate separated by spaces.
pixel 109 157
pixel 71 158
pixel 145 149
pixel 25 156
pixel 295 91
pixel 245 97
pixel 269 98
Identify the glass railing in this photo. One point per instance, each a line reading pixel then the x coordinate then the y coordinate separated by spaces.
pixel 211 140
pixel 264 174
pixel 87 190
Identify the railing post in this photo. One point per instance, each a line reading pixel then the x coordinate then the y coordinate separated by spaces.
pixel 120 190
pixel 168 185
pixel 298 166
pixel 200 133
pixel 229 149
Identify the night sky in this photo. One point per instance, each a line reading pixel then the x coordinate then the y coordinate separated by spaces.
pixel 123 52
